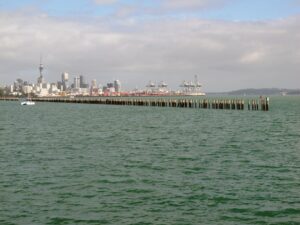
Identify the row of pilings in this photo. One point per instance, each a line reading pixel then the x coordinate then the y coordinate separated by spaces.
pixel 9 99
pixel 228 104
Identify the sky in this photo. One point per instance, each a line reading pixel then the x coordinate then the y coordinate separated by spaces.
pixel 229 44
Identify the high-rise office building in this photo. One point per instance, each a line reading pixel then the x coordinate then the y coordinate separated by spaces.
pixel 83 83
pixel 117 85
pixel 94 84
pixel 64 81
pixel 110 85
pixel 76 84
pixel 64 77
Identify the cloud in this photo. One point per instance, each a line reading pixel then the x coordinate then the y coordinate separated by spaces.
pixel 225 55
pixel 192 4
pixel 105 2
pixel 253 57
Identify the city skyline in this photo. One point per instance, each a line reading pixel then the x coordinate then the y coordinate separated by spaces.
pixel 229 44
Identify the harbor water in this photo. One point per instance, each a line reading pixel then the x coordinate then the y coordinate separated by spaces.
pixel 106 164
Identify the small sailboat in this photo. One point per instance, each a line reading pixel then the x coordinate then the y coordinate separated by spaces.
pixel 28 101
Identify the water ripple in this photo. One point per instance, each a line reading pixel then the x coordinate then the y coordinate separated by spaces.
pixel 94 164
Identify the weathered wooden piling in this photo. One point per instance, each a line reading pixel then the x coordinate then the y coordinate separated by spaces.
pixel 264 104
pixel 220 104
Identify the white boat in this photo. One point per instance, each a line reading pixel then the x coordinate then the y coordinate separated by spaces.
pixel 27 102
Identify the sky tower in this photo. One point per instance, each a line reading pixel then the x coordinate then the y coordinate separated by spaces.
pixel 41 68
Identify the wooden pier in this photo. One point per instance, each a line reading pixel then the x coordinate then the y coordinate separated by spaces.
pixel 221 104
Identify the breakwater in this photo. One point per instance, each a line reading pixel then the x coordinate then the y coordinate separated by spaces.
pixel 226 104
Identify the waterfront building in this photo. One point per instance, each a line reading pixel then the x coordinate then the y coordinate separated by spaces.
pixel 27 89
pixel 18 85
pixel 76 84
pixel 46 86
pixel 110 85
pixel 60 86
pixel 83 83
pixel 11 88
pixel 64 81
pixel 117 86
pixel 100 89
pixel 79 87
pixel 94 91
pixel 94 84
pixel 65 77
pixel 53 89
pixel 42 92
pixel 112 89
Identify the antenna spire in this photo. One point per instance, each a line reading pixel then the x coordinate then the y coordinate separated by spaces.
pixel 41 67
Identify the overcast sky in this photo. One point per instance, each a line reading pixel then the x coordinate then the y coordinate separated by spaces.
pixel 229 44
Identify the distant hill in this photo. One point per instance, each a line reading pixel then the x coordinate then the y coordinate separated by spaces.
pixel 265 91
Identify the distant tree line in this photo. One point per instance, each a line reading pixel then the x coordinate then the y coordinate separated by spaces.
pixel 265 91
pixel 295 92
pixel 2 92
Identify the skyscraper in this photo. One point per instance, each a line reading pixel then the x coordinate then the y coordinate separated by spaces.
pixel 117 85
pixel 64 81
pixel 94 84
pixel 64 77
pixel 76 82
pixel 83 83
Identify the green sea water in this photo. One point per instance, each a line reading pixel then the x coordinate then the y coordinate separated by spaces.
pixel 104 164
